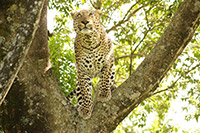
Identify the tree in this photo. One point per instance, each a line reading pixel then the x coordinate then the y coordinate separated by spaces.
pixel 35 102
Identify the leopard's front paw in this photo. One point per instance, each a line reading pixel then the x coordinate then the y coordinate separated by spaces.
pixel 85 112
pixel 104 95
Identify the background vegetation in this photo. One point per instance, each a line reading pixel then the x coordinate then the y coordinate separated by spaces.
pixel 135 27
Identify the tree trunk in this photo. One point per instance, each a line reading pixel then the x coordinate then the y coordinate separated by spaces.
pixel 16 34
pixel 35 103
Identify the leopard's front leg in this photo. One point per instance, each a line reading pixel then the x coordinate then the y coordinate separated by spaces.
pixel 106 82
pixel 84 95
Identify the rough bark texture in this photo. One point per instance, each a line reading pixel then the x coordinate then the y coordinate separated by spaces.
pixel 16 33
pixel 35 103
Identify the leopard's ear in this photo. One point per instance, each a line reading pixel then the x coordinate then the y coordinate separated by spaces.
pixel 98 12
pixel 73 14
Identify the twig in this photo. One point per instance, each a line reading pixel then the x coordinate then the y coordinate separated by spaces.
pixel 97 4
pixel 131 62
pixel 172 85
pixel 115 3
pixel 126 56
pixel 114 6
pixel 125 19
pixel 145 35
pixel 130 9
pixel 133 52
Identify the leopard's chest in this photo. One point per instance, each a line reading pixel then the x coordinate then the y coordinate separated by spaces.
pixel 92 63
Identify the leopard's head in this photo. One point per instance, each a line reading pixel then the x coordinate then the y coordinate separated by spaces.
pixel 86 21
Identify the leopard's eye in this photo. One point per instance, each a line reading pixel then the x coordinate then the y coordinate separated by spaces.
pixel 78 15
pixel 91 14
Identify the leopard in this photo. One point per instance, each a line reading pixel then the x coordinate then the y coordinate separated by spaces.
pixel 94 57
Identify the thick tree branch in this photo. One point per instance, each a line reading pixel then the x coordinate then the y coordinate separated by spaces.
pixel 19 46
pixel 35 102
pixel 39 105
pixel 150 72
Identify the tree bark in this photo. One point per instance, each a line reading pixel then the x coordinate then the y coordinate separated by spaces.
pixel 16 43
pixel 35 103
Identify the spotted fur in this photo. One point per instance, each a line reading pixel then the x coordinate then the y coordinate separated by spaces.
pixel 94 57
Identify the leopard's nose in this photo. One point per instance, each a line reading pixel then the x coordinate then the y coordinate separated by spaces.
pixel 85 22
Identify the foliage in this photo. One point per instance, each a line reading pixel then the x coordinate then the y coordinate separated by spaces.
pixel 62 59
pixel 135 27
